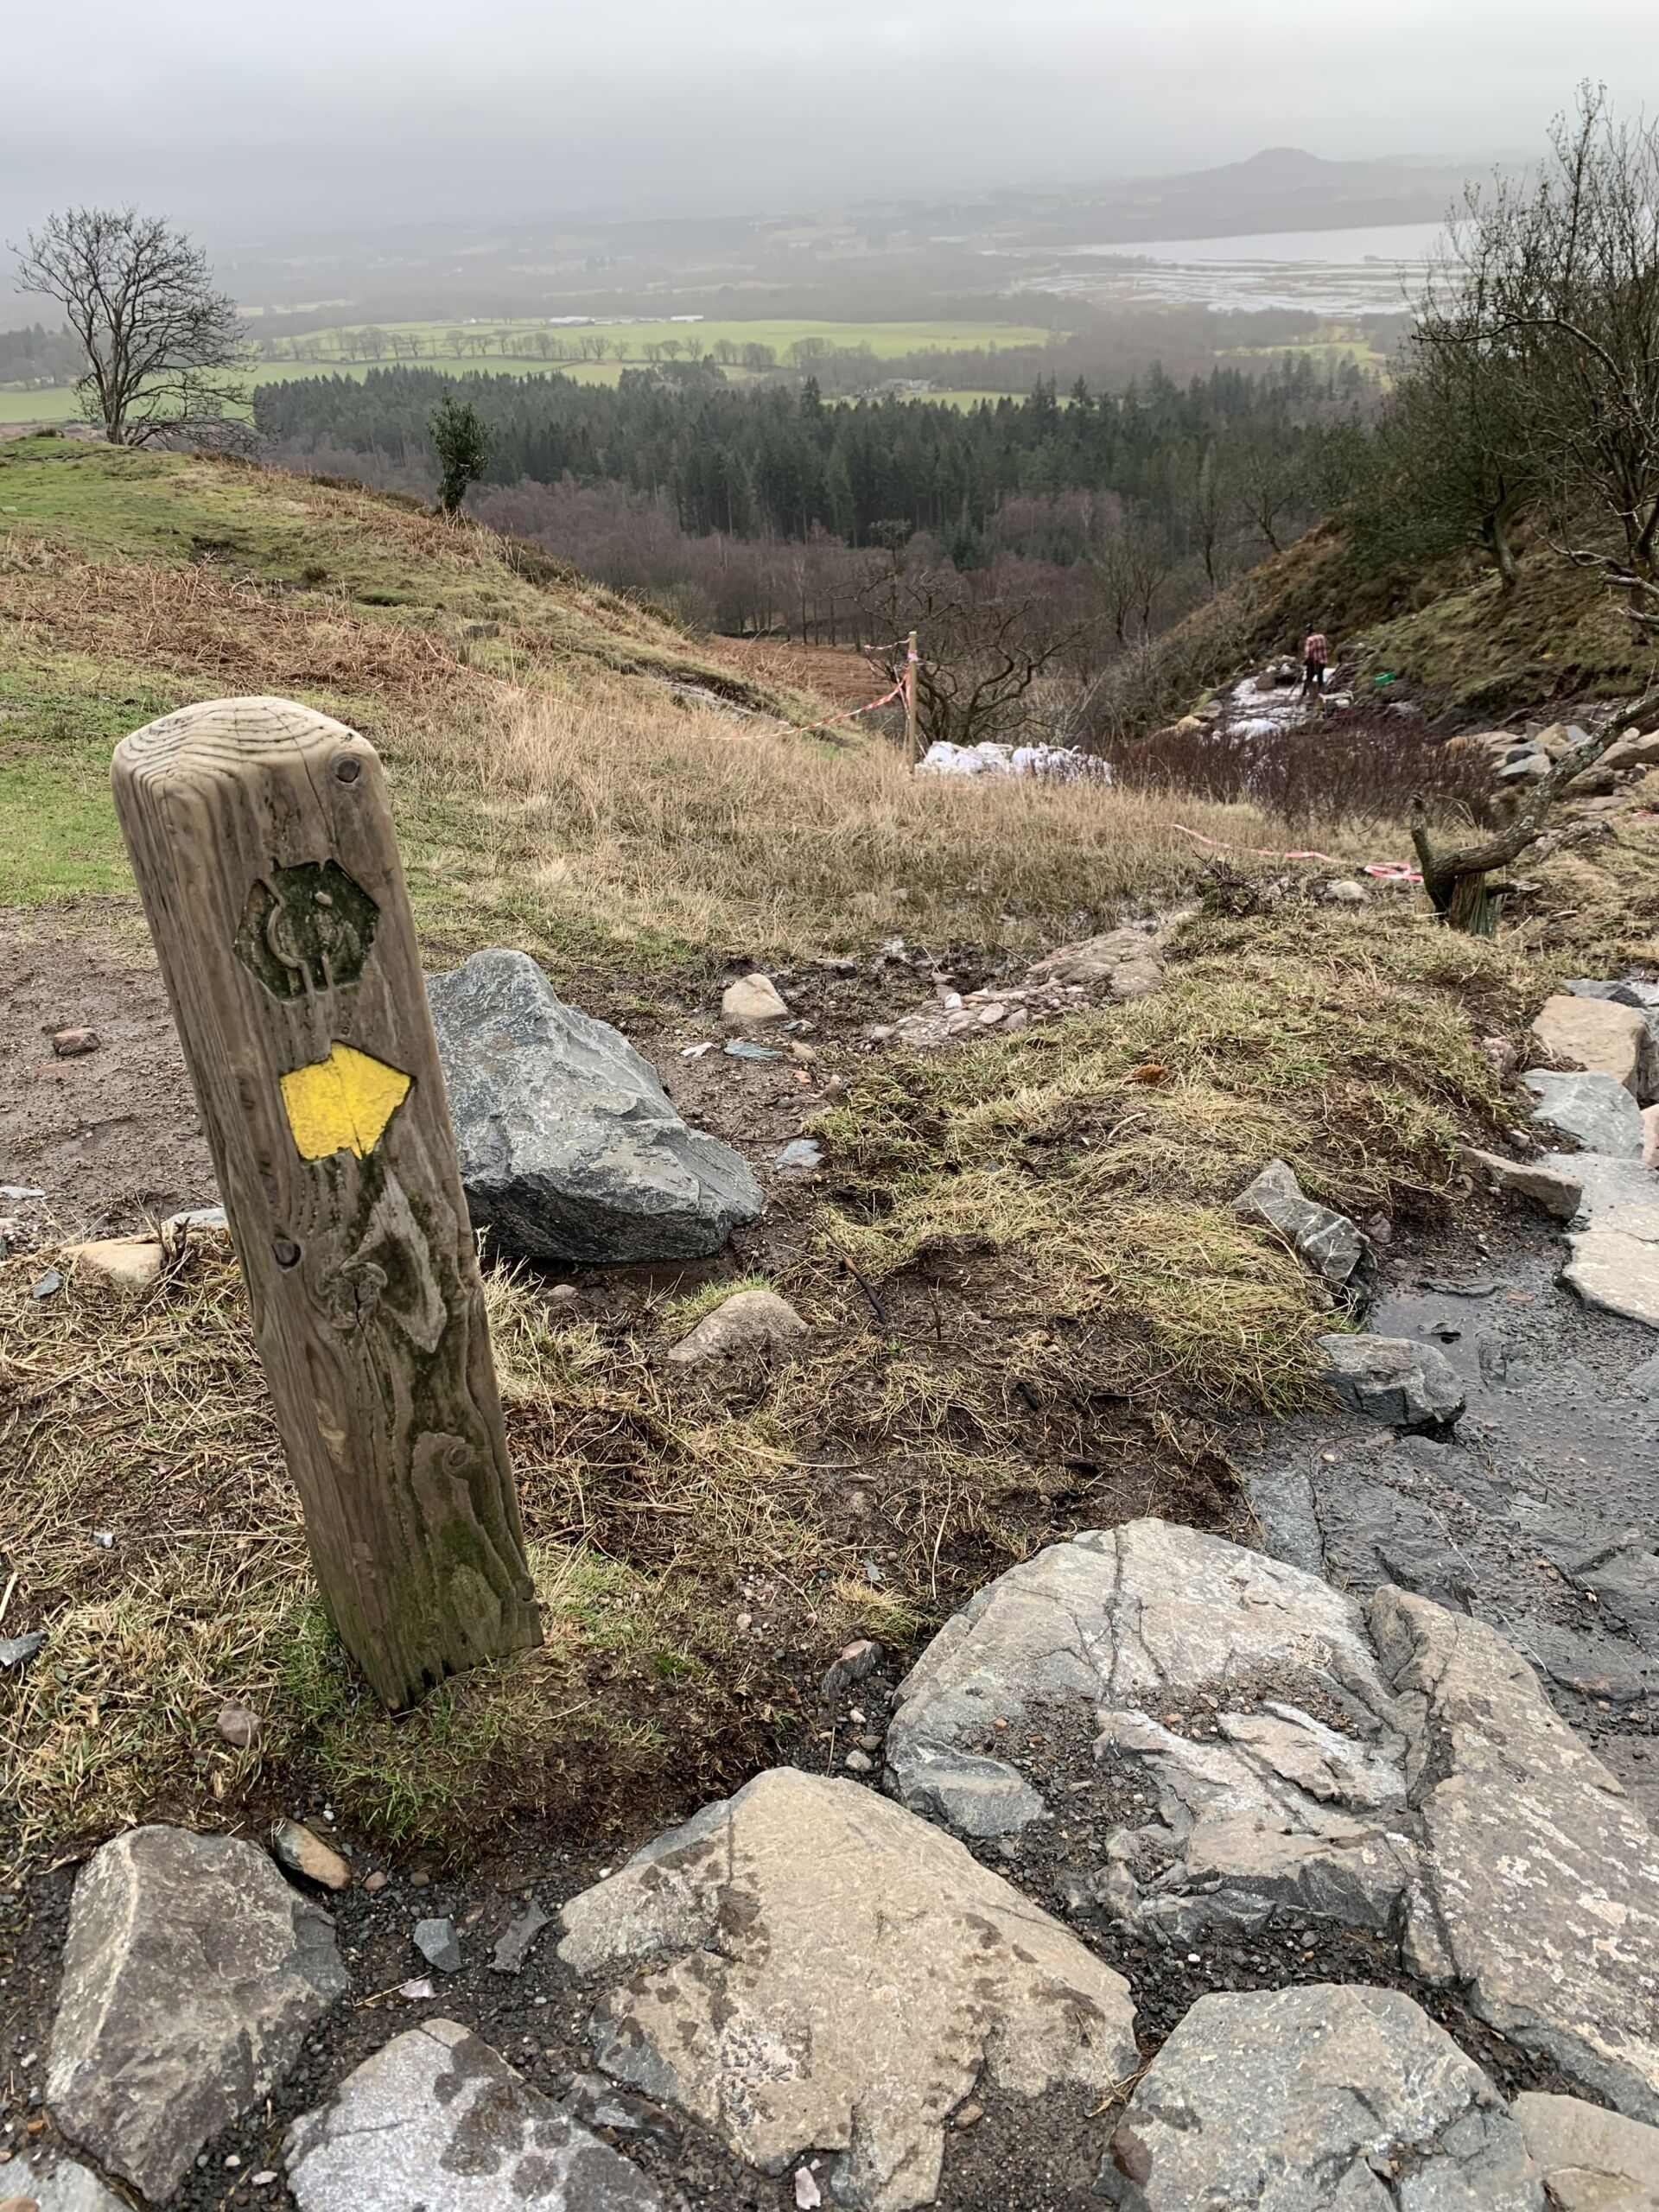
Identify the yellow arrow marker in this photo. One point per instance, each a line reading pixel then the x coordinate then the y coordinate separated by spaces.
pixel 342 1103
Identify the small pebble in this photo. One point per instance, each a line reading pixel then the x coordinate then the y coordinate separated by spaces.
pixel 807 2192
pixel 563 1293
pixel 70 1044
pixel 240 1724
pixel 858 1763
pixel 969 2115
pixel 297 1847
pixel 436 1941
pixel 376 1881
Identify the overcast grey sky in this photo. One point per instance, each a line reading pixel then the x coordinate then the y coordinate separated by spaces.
pixel 301 112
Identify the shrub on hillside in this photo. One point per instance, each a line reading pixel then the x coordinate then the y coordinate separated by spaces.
pixel 1347 767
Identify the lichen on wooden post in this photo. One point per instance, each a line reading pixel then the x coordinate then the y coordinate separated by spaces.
pixel 264 848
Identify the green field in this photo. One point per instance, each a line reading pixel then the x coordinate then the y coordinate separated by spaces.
pixel 627 340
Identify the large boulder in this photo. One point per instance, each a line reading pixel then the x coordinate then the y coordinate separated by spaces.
pixel 1317 2100
pixel 805 1965
pixel 437 2118
pixel 191 1972
pixel 1538 1897
pixel 1603 1037
pixel 1245 1755
pixel 1211 1739
pixel 1326 1242
pixel 569 1148
pixel 1594 1110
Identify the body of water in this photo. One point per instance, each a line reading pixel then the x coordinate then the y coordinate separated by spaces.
pixel 1367 270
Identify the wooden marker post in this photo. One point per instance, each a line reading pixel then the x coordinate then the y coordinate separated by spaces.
pixel 911 664
pixel 265 856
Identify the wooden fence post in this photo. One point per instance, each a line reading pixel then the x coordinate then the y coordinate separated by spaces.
pixel 263 847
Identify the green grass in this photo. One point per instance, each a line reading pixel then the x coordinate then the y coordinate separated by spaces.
pixel 887 340
pixel 58 836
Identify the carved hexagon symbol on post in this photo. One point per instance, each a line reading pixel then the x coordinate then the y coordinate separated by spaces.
pixel 306 929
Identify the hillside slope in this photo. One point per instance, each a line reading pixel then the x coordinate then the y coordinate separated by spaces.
pixel 1449 634
pixel 131 582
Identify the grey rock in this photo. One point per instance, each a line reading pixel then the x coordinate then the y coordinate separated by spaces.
pixel 1538 1893
pixel 1327 1243
pixel 439 2119
pixel 1645 1378
pixel 569 1148
pixel 18 1650
pixel 1594 1110
pixel 1282 1500
pixel 1211 1677
pixel 191 1973
pixel 807 1965
pixel 1617 1272
pixel 801 1152
pixel 514 1946
pixel 1590 2160
pixel 1317 2100
pixel 1392 1379
pixel 1619 1194
pixel 850 1665
pixel 65 2187
pixel 749 1324
pixel 438 1944
pixel 1613 1259
pixel 753 998
pixel 740 1049
pixel 599 2103
pixel 1550 1184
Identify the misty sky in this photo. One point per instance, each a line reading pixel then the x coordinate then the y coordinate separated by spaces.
pixel 336 112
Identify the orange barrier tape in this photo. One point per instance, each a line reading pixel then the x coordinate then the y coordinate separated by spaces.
pixel 1393 870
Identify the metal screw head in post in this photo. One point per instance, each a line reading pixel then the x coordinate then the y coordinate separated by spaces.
pixel 264 848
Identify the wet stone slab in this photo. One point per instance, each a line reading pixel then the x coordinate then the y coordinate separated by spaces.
pixel 437 2118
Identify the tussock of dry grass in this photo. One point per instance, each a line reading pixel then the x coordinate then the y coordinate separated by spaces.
pixel 1333 1046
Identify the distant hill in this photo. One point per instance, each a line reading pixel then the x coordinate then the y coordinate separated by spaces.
pixel 1282 189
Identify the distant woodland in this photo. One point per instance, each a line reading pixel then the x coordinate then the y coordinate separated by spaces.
pixel 770 508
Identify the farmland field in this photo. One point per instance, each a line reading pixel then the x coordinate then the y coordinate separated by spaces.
pixel 628 342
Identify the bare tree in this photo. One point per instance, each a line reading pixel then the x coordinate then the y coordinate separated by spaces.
pixel 1127 566
pixel 1552 284
pixel 1271 483
pixel 161 343
pixel 983 647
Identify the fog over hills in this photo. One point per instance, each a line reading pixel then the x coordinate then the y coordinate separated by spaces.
pixel 236 122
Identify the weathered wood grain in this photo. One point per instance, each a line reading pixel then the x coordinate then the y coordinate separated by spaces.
pixel 263 847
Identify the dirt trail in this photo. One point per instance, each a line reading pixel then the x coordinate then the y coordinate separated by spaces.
pixel 111 1135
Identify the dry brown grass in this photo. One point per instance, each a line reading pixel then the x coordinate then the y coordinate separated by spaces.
pixel 691 829
pixel 213 631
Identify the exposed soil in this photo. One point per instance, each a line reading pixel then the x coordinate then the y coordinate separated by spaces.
pixel 111 1136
